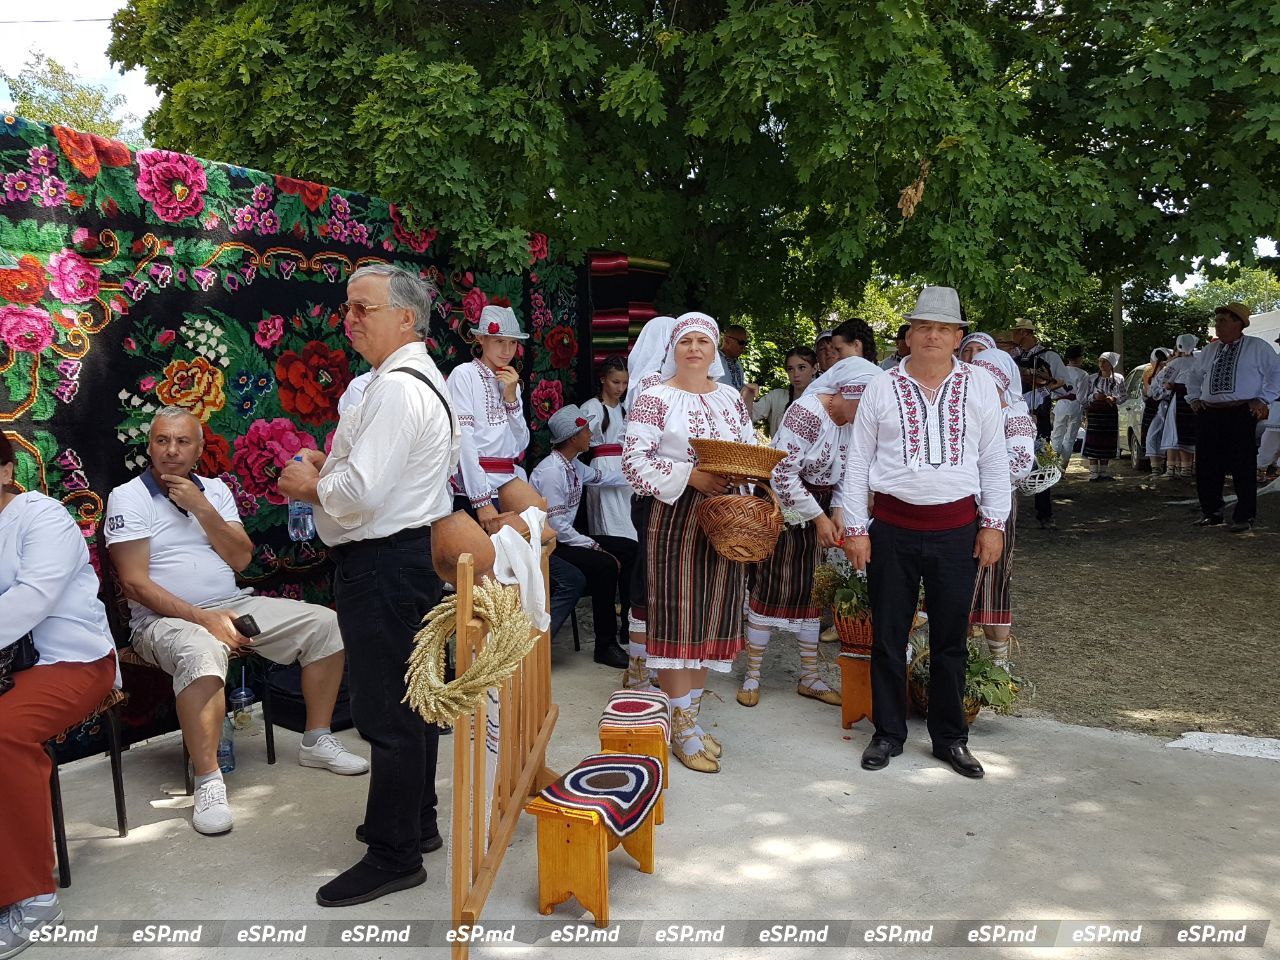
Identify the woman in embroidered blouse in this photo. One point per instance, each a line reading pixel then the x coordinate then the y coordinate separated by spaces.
pixel 608 508
pixel 802 368
pixel 486 397
pixel 1176 439
pixel 47 589
pixel 815 434
pixel 695 596
pixel 1103 394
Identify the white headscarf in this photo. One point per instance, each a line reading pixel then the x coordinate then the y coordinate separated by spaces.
pixel 988 342
pixel 685 324
pixel 647 355
pixel 1186 343
pixel 1111 358
pixel 849 378
pixel 1003 369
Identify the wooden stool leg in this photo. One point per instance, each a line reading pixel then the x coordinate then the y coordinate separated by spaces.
pixel 59 825
pixel 573 862
pixel 639 844
pixel 855 691
pixel 117 769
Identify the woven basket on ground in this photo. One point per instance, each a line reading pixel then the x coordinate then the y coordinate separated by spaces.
pixel 736 459
pixel 1040 480
pixel 919 691
pixel 855 633
pixel 742 527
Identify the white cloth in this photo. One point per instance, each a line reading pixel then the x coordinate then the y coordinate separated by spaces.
pixel 519 561
pixel 647 355
pixel 1002 368
pixel 1248 369
pixel 392 456
pixel 771 408
pixel 47 586
pixel 560 482
pixel 816 448
pixel 1067 398
pixel 685 324
pixel 182 560
pixel 491 427
pixel 354 392
pixel 656 457
pixel 608 507
pixel 928 454
pixel 848 376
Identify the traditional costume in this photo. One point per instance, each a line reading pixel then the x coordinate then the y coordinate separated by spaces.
pixel 1177 428
pixel 1102 419
pixel 608 507
pixel 1034 362
pixel 936 461
pixel 781 597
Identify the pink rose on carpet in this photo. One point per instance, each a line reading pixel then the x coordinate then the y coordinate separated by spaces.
pixel 546 399
pixel 270 330
pixel 25 329
pixel 147 384
pixel 473 303
pixel 72 278
pixel 166 337
pixel 262 453
pixel 173 183
pixel 537 247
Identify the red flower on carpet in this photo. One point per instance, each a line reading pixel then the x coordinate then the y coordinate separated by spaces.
pixel 473 304
pixel 313 194
pixel 89 153
pixel 193 384
pixel 562 343
pixel 173 183
pixel 25 329
pixel 311 384
pixel 537 248
pixel 546 399
pixel 72 277
pixel 263 451
pixel 216 457
pixel 26 284
pixel 416 240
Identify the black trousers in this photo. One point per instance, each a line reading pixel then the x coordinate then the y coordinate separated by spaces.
pixel 900 560
pixel 608 574
pixel 1044 430
pixel 382 590
pixel 1225 445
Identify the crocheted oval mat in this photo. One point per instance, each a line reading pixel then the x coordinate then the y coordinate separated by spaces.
pixel 621 787
pixel 638 708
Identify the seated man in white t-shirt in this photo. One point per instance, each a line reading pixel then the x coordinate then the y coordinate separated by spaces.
pixel 177 543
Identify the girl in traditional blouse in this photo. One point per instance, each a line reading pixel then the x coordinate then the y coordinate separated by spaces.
pixel 1151 409
pixel 1103 393
pixel 695 596
pixel 815 434
pixel 608 508
pixel 992 603
pixel 1176 440
pixel 47 589
pixel 486 397
pixel 802 367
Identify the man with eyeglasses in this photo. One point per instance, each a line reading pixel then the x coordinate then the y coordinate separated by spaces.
pixel 733 341
pixel 377 493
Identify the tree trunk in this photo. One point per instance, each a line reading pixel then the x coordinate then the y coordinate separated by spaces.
pixel 1117 323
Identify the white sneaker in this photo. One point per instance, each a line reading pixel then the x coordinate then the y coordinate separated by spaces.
pixel 21 920
pixel 212 812
pixel 332 755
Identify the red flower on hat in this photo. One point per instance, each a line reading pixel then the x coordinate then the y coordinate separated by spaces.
pixel 579 422
pixel 493 327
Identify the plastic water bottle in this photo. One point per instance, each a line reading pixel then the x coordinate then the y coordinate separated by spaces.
pixel 227 747
pixel 242 700
pixel 302 519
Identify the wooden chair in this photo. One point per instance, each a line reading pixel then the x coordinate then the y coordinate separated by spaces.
pixel 108 710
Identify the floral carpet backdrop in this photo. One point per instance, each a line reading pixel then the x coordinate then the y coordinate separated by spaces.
pixel 140 279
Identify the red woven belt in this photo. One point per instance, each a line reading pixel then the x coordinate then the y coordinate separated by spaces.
pixel 917 516
pixel 607 450
pixel 497 465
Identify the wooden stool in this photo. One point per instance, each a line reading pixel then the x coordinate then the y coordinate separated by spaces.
pixel 648 741
pixel 855 690
pixel 573 856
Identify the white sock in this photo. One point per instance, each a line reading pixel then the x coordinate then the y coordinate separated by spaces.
pixel 201 779
pixel 637 650
pixel 757 640
pixel 808 640
pixel 692 742
pixel 311 737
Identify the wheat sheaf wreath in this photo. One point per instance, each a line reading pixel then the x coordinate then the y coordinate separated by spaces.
pixel 511 637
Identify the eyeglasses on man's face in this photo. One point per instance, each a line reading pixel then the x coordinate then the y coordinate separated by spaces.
pixel 740 341
pixel 355 310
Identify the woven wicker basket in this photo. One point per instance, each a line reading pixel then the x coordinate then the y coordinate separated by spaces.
pixel 742 527
pixel 855 634
pixel 736 459
pixel 1040 480
pixel 919 693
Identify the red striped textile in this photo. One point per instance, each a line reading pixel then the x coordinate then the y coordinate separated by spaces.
pixel 621 787
pixel 497 464
pixel 916 516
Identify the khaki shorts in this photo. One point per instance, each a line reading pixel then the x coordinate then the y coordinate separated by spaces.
pixel 291 631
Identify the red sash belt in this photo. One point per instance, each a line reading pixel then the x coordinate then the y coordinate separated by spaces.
pixel 497 465
pixel 933 516
pixel 607 450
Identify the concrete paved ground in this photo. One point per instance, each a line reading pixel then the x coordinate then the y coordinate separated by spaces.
pixel 1071 823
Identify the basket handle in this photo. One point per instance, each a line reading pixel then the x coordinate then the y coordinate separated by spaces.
pixel 777 507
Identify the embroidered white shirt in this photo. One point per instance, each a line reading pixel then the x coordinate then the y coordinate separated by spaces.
pixel 1112 386
pixel 816 449
pixel 608 507
pixel 656 457
pixel 928 453
pixel 560 482
pixel 491 427
pixel 1248 369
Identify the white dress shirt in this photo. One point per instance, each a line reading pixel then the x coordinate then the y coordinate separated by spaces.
pixel 928 454
pixel 1247 369
pixel 608 507
pixel 354 392
pixel 392 456
pixel 491 428
pixel 47 586
pixel 560 482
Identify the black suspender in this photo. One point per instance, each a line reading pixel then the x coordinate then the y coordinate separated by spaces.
pixel 448 412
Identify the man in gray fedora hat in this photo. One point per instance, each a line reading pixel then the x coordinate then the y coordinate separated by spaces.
pixel 929 445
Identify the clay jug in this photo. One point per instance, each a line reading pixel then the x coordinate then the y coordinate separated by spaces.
pixel 517 496
pixel 454 535
pixel 510 519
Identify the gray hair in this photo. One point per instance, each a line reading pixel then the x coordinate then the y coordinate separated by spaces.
pixel 404 290
pixel 172 413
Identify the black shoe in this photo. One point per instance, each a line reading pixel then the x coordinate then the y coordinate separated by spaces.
pixel 1241 526
pixel 878 752
pixel 1047 523
pixel 962 761
pixel 1212 521
pixel 363 883
pixel 1107 478
pixel 429 844
pixel 610 654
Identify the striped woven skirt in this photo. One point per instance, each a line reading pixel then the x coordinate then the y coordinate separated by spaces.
pixel 694 603
pixel 991 603
pixel 1102 435
pixel 782 593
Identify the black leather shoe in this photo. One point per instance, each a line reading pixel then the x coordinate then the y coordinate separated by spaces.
pixel 962 761
pixel 611 655
pixel 1212 521
pixel 1241 526
pixel 878 752
pixel 429 844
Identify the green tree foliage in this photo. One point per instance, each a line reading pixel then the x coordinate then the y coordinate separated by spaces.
pixel 779 153
pixel 1256 288
pixel 46 91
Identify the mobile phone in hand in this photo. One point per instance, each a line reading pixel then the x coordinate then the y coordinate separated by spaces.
pixel 246 626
